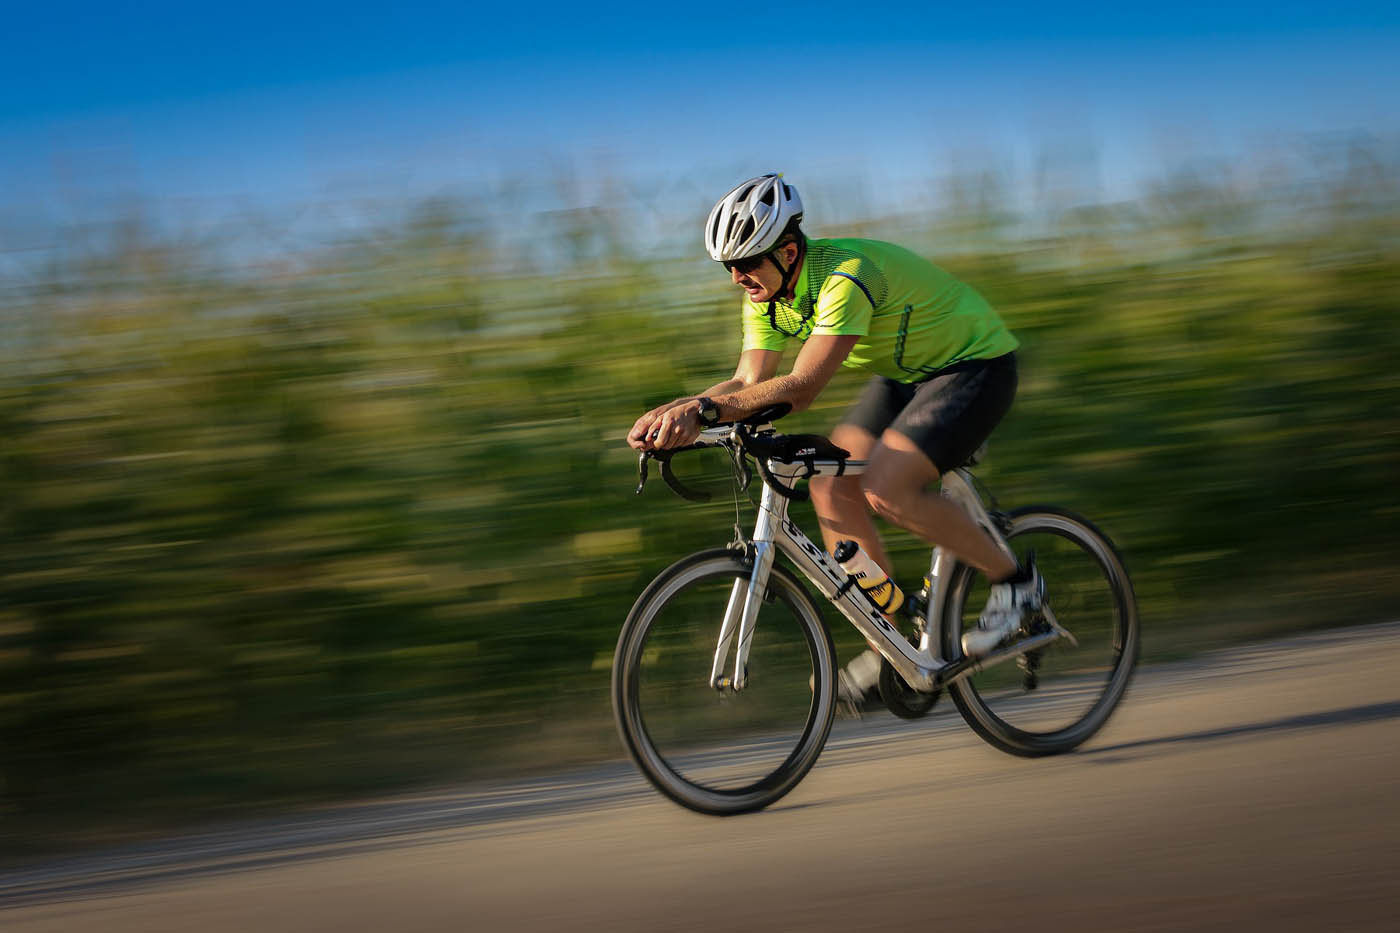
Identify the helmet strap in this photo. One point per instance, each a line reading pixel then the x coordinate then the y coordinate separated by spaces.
pixel 787 273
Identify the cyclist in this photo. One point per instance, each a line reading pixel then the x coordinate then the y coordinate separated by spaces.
pixel 943 374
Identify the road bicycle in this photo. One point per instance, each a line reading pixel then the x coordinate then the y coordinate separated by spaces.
pixel 724 679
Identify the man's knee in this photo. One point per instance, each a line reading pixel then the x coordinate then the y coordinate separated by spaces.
pixel 899 473
pixel 885 495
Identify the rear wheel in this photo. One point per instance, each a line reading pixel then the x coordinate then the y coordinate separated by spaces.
pixel 1053 699
pixel 717 751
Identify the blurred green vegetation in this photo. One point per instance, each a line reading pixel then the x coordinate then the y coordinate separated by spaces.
pixel 367 519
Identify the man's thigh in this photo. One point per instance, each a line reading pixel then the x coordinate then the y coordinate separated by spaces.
pixel 855 439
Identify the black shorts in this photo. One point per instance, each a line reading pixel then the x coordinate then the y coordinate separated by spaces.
pixel 948 415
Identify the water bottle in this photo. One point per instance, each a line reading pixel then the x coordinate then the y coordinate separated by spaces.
pixel 869 577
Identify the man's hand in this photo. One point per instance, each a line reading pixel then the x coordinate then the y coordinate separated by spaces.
pixel 673 425
pixel 654 432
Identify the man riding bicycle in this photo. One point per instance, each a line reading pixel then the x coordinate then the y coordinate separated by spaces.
pixel 943 368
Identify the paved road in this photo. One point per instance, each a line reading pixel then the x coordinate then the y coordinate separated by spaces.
pixel 1257 788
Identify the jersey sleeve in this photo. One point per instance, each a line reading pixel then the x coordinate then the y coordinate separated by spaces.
pixel 758 331
pixel 844 306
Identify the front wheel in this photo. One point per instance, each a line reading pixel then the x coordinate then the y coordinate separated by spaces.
pixel 716 751
pixel 1051 700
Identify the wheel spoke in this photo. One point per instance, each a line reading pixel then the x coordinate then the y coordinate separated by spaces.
pixel 1055 624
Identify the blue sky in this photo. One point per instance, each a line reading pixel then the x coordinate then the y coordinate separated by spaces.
pixel 274 105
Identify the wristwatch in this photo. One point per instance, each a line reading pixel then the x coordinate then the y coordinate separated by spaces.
pixel 709 412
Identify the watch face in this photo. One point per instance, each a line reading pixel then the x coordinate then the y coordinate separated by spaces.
pixel 709 413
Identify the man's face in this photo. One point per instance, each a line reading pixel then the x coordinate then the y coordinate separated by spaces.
pixel 758 276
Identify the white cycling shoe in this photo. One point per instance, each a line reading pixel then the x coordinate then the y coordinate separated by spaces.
pixel 856 683
pixel 1008 607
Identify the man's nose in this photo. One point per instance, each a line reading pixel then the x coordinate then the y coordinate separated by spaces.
pixel 735 275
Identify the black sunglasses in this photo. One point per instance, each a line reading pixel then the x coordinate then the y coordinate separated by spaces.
pixel 746 266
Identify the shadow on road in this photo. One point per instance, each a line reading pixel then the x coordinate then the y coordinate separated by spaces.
pixel 1338 717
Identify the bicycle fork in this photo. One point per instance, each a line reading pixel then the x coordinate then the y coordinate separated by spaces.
pixel 741 615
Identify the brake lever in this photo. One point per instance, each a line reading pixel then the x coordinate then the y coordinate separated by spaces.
pixel 741 468
pixel 642 459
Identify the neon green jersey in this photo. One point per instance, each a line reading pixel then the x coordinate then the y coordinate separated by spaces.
pixel 913 317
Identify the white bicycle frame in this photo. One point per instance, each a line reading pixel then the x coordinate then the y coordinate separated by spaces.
pixel 923 667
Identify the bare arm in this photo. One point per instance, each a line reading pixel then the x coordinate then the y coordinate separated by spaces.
pixel 754 367
pixel 815 365
pixel 679 424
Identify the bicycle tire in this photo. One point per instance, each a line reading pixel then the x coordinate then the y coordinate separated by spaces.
pixel 1099 606
pixel 656 672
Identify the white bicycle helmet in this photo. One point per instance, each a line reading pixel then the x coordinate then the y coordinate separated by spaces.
pixel 750 219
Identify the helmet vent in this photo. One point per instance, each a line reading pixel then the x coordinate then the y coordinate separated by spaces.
pixel 746 231
pixel 750 219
